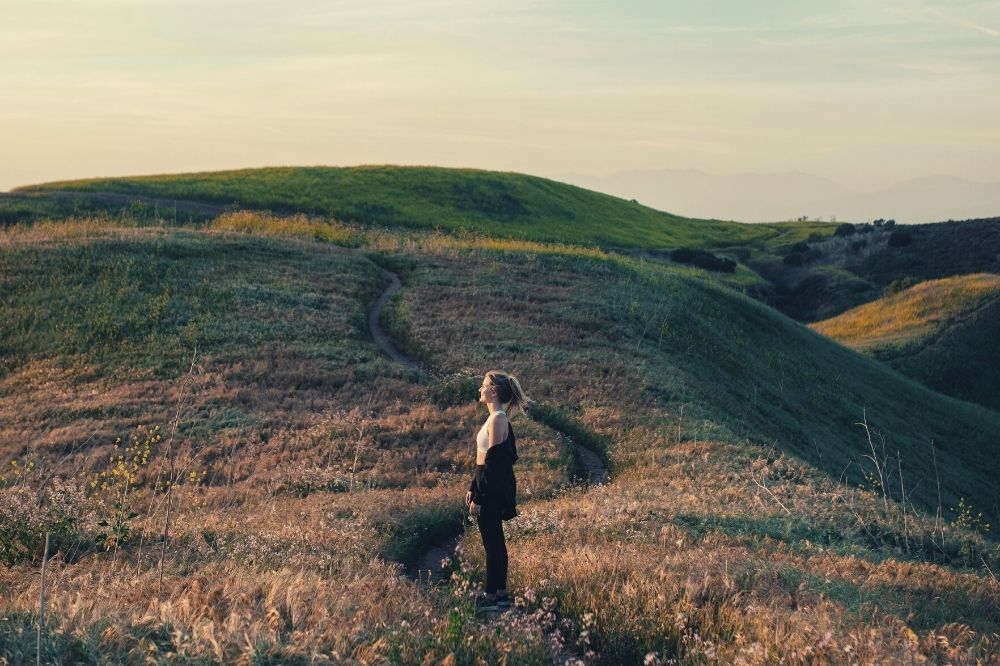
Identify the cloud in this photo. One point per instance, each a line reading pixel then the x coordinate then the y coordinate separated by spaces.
pixel 937 16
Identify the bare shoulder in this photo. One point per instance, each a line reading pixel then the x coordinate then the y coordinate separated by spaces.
pixel 498 428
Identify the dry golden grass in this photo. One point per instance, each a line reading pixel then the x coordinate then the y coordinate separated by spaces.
pixel 638 558
pixel 911 315
pixel 296 226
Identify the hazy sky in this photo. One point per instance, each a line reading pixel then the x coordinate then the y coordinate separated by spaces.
pixel 867 93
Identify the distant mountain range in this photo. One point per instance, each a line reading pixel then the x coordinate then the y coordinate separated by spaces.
pixel 750 197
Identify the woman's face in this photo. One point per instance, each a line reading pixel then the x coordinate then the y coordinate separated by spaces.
pixel 487 391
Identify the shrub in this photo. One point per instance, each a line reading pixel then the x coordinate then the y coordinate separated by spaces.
pixel 795 259
pixel 703 259
pixel 306 479
pixel 900 238
pixel 457 388
pixel 26 515
pixel 845 229
pixel 899 285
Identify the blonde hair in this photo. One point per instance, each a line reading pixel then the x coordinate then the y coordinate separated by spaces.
pixel 509 392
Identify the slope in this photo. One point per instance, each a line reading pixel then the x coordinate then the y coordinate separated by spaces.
pixel 725 534
pixel 499 203
pixel 942 333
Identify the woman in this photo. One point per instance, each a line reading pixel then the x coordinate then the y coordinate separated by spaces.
pixel 492 496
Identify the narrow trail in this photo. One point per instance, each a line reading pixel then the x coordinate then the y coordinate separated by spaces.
pixel 427 568
pixel 381 339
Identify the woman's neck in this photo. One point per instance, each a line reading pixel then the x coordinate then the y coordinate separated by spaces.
pixel 495 408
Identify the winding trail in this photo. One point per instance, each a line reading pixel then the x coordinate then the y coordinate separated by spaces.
pixel 381 339
pixel 597 473
pixel 428 566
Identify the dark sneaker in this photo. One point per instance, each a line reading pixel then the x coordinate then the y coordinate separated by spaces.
pixel 485 604
pixel 503 601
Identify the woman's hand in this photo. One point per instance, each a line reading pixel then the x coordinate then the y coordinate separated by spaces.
pixel 468 498
pixel 474 509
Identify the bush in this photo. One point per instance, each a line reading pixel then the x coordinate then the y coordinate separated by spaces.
pixel 703 259
pixel 25 517
pixel 900 238
pixel 899 285
pixel 846 229
pixel 457 388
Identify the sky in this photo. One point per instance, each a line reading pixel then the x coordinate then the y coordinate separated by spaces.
pixel 865 93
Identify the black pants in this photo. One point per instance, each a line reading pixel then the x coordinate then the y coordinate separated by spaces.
pixel 491 529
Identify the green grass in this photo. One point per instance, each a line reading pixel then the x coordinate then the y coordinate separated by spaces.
pixel 497 203
pixel 411 533
pixel 147 302
pixel 27 208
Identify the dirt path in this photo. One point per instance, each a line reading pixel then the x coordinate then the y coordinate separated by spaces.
pixel 381 339
pixel 597 473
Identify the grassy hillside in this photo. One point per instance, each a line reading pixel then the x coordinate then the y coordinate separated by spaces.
pixel 942 333
pixel 801 268
pixel 498 203
pixel 661 337
pixel 303 461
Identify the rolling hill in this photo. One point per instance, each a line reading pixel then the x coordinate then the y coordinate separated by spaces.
pixel 505 204
pixel 943 333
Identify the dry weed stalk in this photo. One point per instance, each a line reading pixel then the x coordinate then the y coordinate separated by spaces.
pixel 760 484
pixel 170 484
pixel 879 466
pixel 41 602
pixel 363 421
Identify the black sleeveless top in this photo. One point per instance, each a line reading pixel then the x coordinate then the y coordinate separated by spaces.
pixel 494 485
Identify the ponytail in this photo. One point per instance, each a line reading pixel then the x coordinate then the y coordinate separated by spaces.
pixel 510 392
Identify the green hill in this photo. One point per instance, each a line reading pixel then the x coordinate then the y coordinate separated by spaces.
pixel 942 333
pixel 498 203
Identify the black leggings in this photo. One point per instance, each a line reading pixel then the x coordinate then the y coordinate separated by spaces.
pixel 491 529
